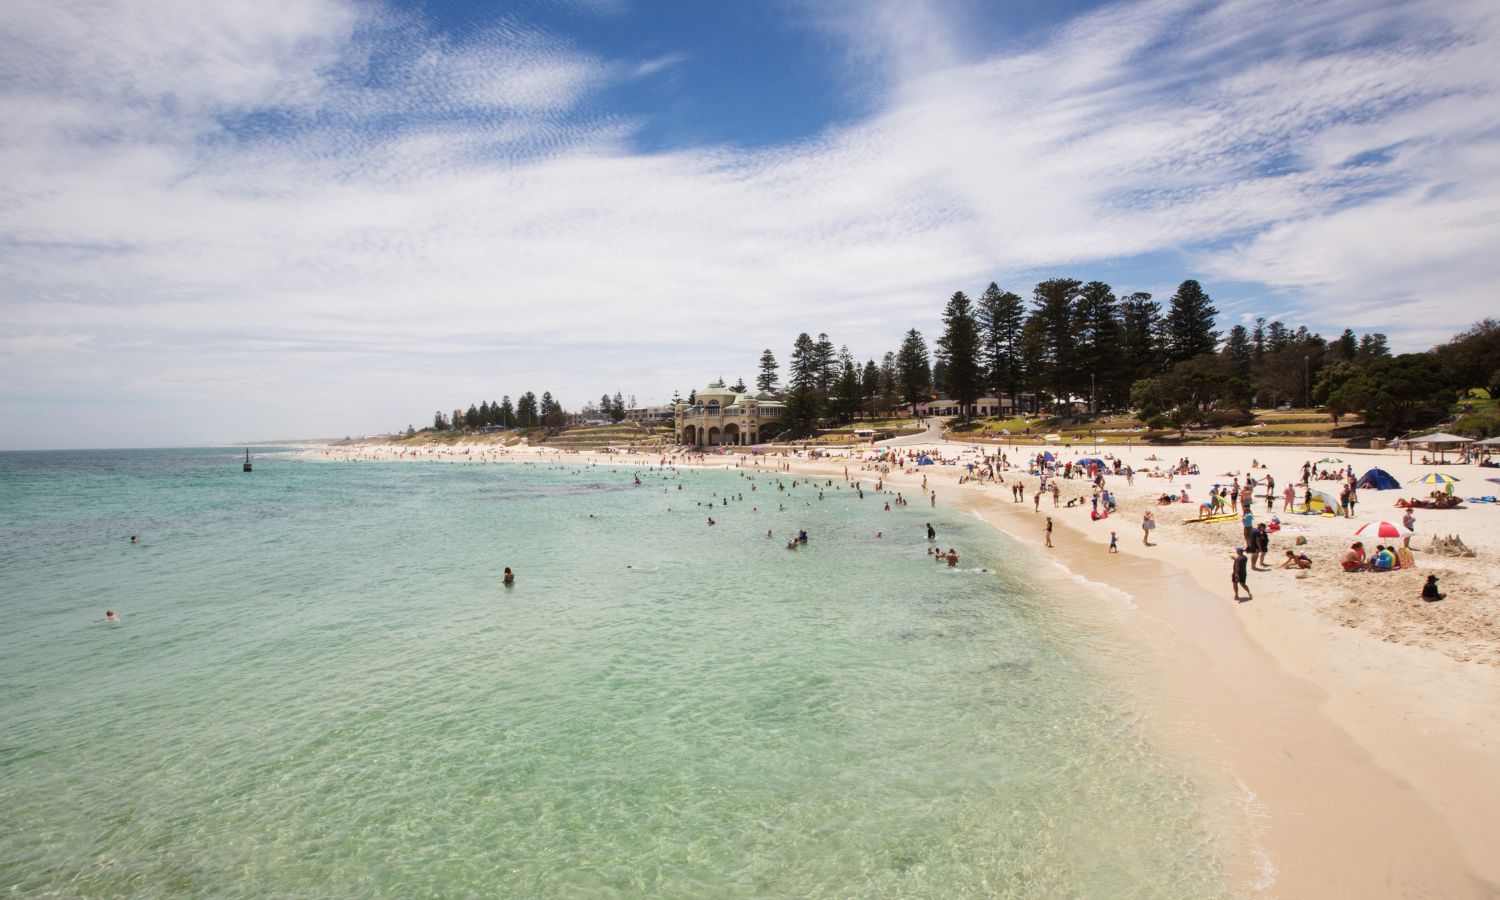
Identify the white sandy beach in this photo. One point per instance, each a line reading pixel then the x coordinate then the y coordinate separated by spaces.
pixel 1357 723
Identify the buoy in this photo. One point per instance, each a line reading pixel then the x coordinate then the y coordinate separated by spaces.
pixel 247 459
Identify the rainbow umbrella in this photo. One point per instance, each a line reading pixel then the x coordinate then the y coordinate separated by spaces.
pixel 1437 478
pixel 1380 528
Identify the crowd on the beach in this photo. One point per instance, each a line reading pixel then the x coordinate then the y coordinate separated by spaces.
pixel 1298 504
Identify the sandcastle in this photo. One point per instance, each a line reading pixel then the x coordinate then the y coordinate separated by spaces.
pixel 1452 545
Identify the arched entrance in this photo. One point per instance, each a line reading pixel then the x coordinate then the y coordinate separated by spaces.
pixel 768 432
pixel 714 437
pixel 732 434
pixel 689 435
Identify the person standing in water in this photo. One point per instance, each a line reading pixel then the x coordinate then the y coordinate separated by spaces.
pixel 1047 531
pixel 509 578
pixel 931 532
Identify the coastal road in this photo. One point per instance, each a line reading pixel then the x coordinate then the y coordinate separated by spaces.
pixel 933 435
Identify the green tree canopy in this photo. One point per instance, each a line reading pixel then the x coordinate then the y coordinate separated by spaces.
pixel 958 349
pixel 913 370
pixel 766 380
pixel 1190 321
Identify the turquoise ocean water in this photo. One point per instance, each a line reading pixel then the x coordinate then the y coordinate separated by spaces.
pixel 319 688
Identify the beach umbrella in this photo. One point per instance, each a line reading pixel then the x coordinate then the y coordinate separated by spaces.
pixel 1437 478
pixel 1330 459
pixel 1052 437
pixel 1380 528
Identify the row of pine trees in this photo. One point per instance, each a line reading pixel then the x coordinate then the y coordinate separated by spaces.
pixel 1080 346
pixel 528 411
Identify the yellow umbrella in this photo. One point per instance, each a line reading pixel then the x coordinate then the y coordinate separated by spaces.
pixel 1437 478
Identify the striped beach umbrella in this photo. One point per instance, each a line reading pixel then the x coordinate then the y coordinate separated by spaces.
pixel 1380 528
pixel 1437 478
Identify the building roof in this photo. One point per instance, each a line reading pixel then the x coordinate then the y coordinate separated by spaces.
pixel 716 389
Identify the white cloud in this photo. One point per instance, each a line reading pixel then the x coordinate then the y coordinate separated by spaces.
pixel 657 64
pixel 267 215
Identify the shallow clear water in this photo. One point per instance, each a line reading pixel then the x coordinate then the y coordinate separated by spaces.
pixel 319 687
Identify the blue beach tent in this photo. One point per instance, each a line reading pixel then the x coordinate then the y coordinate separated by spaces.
pixel 924 460
pixel 1379 480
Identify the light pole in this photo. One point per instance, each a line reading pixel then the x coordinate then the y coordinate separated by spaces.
pixel 1306 382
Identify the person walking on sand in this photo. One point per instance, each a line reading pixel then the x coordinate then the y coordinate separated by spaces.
pixel 1288 497
pixel 1409 522
pixel 1114 543
pixel 1148 523
pixel 1239 573
pixel 1047 531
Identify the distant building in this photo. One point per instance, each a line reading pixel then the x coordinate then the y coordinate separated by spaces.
pixel 664 412
pixel 719 416
pixel 984 406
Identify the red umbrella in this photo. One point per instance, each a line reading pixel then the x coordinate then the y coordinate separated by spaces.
pixel 1379 528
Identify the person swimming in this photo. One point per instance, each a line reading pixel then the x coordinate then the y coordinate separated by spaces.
pixel 109 616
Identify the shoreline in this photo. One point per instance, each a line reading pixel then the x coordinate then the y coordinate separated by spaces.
pixel 1337 819
pixel 1366 767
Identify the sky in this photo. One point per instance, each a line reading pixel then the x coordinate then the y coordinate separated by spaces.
pixel 267 219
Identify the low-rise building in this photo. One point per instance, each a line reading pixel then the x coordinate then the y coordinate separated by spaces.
pixel 721 417
pixel 984 406
pixel 664 412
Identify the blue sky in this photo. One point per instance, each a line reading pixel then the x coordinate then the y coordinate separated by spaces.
pixel 250 219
